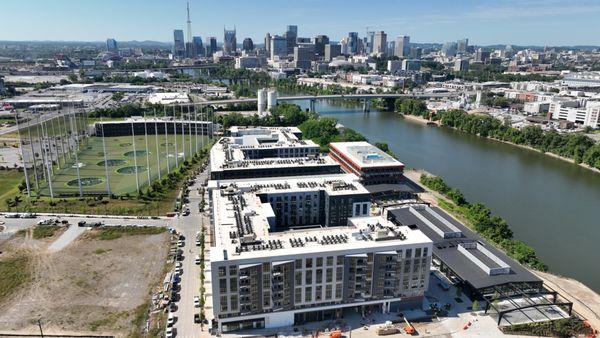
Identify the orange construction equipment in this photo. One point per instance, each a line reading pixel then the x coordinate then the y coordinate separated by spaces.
pixel 335 334
pixel 409 329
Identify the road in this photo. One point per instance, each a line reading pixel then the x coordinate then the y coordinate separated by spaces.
pixel 190 280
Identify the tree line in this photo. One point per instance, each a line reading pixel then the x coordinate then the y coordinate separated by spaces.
pixel 492 227
pixel 576 146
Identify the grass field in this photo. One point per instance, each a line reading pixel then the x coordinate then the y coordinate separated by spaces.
pixel 122 163
pixel 9 182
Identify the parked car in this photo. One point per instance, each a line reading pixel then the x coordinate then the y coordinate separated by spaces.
pixel 197 260
pixel 197 318
pixel 196 301
pixel 169 332
pixel 171 319
pixel 81 223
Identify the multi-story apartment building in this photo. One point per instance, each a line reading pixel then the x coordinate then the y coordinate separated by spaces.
pixel 267 152
pixel 292 250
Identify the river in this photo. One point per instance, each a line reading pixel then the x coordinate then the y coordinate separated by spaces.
pixel 550 204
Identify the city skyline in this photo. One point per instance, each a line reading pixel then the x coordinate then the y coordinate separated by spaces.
pixel 531 22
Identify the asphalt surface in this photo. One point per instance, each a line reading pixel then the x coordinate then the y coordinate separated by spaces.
pixel 190 279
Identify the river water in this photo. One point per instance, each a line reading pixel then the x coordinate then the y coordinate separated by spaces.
pixel 550 204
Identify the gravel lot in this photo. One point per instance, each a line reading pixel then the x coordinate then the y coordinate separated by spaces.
pixel 91 286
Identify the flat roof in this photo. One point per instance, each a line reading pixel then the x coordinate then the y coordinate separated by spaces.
pixel 236 205
pixel 446 249
pixel 229 153
pixel 365 155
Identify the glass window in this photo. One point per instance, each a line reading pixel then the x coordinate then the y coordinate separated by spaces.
pixel 340 260
pixel 308 294
pixel 298 295
pixel 319 273
pixel 233 284
pixel 365 210
pixel 328 291
pixel 339 273
pixel 234 303
pixel 309 262
pixel 233 270
pixel 222 271
pixel 319 261
pixel 222 285
pixel 308 277
pixel 298 277
pixel 298 264
pixel 329 276
pixel 329 260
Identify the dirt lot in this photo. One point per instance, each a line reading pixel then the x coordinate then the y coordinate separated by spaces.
pixel 92 286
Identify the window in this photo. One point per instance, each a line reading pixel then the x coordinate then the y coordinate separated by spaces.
pixel 298 295
pixel 328 290
pixel 340 260
pixel 234 303
pixel 308 294
pixel 417 252
pixel 329 276
pixel 233 283
pixel 223 303
pixel 319 293
pixel 298 264
pixel 339 273
pixel 424 252
pixel 319 274
pixel 338 291
pixel 365 208
pixel 308 277
pixel 357 209
pixel 222 271
pixel 319 262
pixel 309 262
pixel 329 260
pixel 222 285
pixel 298 277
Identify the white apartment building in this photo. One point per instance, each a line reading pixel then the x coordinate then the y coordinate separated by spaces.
pixel 576 111
pixel 266 272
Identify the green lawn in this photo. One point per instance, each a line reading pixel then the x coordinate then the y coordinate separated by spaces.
pixel 122 163
pixel 9 182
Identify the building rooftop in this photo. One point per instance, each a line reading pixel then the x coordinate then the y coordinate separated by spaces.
pixel 243 222
pixel 365 155
pixel 466 253
pixel 231 153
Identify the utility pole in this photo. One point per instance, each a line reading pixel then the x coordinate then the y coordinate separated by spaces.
pixel 23 156
pixel 157 145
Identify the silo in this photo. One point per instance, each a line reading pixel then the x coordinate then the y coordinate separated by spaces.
pixel 271 99
pixel 262 100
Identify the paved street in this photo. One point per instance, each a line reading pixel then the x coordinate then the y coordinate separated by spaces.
pixel 190 280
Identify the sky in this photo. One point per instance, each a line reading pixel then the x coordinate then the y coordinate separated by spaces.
pixel 484 22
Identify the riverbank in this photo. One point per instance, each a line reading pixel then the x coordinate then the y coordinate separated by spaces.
pixel 586 302
pixel 421 120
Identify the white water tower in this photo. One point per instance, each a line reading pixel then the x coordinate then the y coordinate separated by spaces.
pixel 271 99
pixel 262 101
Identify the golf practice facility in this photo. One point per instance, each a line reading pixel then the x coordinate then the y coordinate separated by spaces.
pixel 66 155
